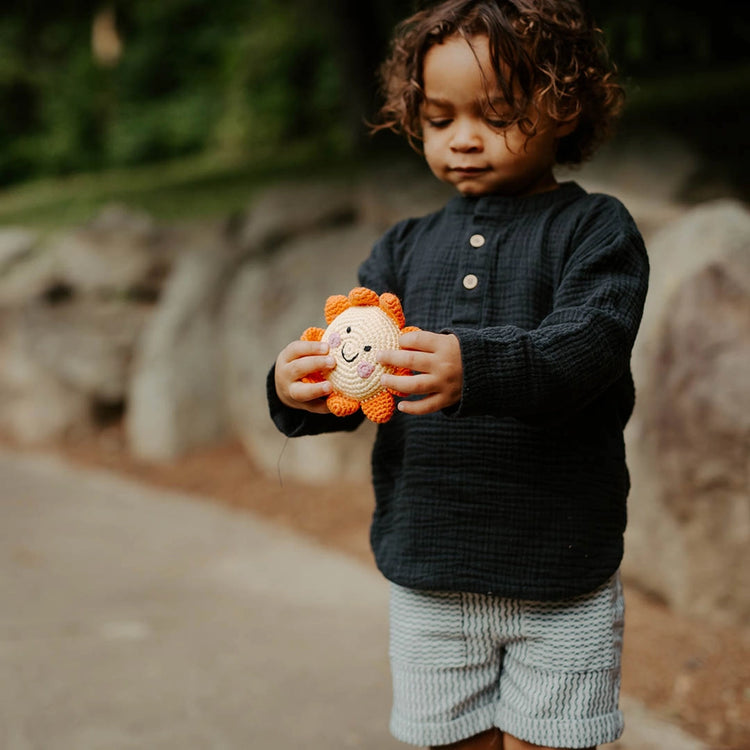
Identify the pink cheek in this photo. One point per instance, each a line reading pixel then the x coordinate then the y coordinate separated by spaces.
pixel 334 340
pixel 365 369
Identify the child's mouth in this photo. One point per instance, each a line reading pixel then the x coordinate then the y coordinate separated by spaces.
pixel 469 170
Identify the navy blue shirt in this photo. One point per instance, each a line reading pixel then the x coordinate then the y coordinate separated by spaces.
pixel 520 489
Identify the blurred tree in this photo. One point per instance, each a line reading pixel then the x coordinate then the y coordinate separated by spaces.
pixel 106 43
pixel 358 34
pixel 649 38
pixel 89 84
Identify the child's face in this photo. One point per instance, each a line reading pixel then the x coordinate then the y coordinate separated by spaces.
pixel 466 143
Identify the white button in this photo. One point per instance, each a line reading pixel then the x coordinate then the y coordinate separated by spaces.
pixel 476 240
pixel 470 281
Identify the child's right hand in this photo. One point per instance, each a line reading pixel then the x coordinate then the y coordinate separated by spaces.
pixel 297 360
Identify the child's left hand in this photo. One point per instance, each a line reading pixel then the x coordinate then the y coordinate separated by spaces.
pixel 436 360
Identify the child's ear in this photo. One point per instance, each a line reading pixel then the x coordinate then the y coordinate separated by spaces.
pixel 566 127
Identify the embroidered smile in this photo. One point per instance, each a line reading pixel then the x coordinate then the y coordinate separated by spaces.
pixel 348 359
pixel 351 359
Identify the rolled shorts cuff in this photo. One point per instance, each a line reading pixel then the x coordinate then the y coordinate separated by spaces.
pixel 574 733
pixel 444 733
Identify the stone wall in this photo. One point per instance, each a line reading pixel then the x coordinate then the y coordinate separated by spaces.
pixel 689 440
pixel 174 328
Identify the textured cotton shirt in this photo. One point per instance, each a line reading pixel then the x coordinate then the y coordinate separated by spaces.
pixel 520 489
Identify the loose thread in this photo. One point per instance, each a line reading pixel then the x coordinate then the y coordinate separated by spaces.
pixel 278 463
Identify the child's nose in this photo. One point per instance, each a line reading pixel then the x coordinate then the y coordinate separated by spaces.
pixel 466 136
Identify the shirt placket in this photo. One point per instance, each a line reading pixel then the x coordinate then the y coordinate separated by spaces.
pixel 472 276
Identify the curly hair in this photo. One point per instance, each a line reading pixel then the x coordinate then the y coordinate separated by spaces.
pixel 547 56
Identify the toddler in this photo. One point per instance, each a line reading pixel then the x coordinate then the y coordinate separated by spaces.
pixel 501 481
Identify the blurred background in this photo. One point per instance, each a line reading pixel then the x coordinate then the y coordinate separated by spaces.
pixel 184 182
pixel 257 88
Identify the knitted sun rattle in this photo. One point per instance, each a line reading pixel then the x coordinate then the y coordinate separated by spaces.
pixel 359 326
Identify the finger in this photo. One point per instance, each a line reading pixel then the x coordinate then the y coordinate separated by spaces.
pixel 409 384
pixel 306 392
pixel 426 405
pixel 304 366
pixel 406 358
pixel 298 349
pixel 423 341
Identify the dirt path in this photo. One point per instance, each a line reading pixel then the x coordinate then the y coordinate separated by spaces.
pixel 691 673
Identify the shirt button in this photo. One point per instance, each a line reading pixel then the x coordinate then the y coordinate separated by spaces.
pixel 476 240
pixel 470 281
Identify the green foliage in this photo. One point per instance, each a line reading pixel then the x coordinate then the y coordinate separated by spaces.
pixel 194 75
pixel 253 78
pixel 279 80
pixel 647 38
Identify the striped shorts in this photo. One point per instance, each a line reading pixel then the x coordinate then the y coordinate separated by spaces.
pixel 545 672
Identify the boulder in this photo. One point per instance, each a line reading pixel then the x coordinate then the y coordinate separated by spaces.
pixel 85 342
pixel 74 304
pixel 688 538
pixel 655 167
pixel 269 305
pixel 35 406
pixel 64 365
pixel 26 269
pixel 175 396
pixel 400 191
pixel 120 251
pixel 291 209
pixel 15 243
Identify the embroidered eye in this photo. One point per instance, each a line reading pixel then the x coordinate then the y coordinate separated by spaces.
pixel 368 348
pixel 348 329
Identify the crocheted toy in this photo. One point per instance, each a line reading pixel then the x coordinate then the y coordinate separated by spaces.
pixel 359 326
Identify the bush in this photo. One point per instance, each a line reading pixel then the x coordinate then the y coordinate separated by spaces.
pixel 193 75
pixel 251 77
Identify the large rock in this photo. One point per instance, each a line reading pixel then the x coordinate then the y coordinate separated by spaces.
pixel 73 305
pixel 292 209
pixel 85 342
pixel 26 269
pixel 651 166
pixel 688 443
pixel 65 366
pixel 176 396
pixel 289 210
pixel 120 250
pixel 400 191
pixel 270 304
pixel 35 406
pixel 15 243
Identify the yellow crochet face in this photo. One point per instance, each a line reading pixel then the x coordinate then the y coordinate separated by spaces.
pixel 354 338
pixel 359 326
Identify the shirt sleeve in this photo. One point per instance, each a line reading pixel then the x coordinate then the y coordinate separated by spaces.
pixel 298 422
pixel 579 349
pixel 381 270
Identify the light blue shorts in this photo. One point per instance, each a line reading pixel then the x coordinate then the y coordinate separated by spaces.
pixel 545 672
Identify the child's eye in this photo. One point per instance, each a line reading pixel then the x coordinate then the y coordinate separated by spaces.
pixel 439 122
pixel 496 122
